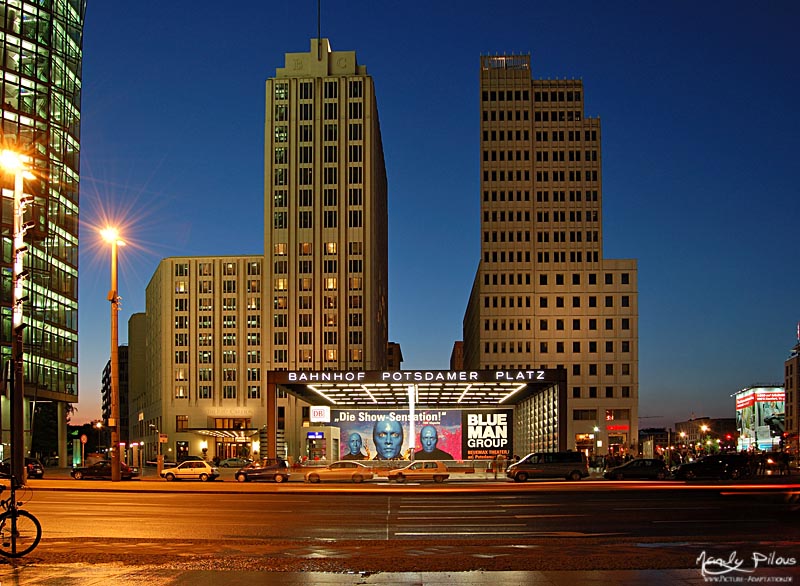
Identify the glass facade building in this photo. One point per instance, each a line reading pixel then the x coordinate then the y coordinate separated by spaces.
pixel 40 97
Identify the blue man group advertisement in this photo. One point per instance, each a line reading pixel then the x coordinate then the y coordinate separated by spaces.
pixel 439 434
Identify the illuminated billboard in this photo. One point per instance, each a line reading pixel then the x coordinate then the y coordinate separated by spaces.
pixel 760 417
pixel 439 434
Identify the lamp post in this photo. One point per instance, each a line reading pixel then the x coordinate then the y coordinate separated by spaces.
pixel 14 163
pixel 98 425
pixel 159 457
pixel 705 429
pixel 112 236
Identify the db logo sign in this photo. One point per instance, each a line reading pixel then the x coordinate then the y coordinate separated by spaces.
pixel 320 414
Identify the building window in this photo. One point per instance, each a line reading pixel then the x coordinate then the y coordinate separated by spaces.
pixel 355 219
pixel 181 392
pixel 584 414
pixel 181 422
pixel 229 391
pixel 204 392
pixel 253 392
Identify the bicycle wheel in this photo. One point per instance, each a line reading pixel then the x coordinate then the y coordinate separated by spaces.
pixel 20 533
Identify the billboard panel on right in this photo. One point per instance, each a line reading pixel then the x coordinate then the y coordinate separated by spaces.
pixel 760 417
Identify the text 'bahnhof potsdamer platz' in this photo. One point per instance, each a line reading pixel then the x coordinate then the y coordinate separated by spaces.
pixel 287 353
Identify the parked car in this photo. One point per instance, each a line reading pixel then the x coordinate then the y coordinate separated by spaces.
pixel 345 470
pixel 191 470
pixel 422 470
pixel 714 467
pixel 33 468
pixel 569 465
pixel 102 471
pixel 234 462
pixel 639 469
pixel 276 469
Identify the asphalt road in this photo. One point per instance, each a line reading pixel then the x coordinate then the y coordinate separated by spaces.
pixel 381 527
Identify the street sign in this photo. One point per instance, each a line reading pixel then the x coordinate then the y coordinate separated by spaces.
pixel 163 438
pixel 83 438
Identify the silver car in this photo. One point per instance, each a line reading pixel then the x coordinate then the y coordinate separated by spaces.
pixel 345 470
pixel 191 470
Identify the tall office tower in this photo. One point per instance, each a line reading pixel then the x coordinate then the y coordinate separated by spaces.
pixel 543 295
pixel 41 45
pixel 791 384
pixel 196 356
pixel 325 215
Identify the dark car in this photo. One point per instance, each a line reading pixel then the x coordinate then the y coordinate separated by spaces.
pixel 276 469
pixel 714 467
pixel 102 471
pixel 33 468
pixel 639 469
pixel 569 465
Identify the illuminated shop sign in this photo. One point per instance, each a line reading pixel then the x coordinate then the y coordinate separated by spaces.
pixel 760 417
pixel 411 376
pixel 320 414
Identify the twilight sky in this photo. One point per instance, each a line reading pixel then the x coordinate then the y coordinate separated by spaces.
pixel 698 108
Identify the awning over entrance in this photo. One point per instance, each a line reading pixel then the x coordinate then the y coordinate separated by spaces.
pixel 434 388
pixel 229 434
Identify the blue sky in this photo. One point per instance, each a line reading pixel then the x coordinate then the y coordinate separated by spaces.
pixel 698 108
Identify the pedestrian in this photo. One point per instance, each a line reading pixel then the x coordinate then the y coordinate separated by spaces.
pixel 501 464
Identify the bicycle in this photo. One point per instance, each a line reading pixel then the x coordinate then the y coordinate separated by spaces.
pixel 20 532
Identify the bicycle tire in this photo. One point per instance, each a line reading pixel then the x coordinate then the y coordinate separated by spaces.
pixel 29 533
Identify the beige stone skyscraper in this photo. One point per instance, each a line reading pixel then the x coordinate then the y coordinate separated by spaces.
pixel 325 215
pixel 544 296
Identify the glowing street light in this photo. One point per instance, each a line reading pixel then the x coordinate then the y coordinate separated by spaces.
pixel 17 164
pixel 111 235
pixel 98 426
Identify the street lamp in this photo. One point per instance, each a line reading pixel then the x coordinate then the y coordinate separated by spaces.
pixel 16 164
pixel 98 425
pixel 159 457
pixel 111 235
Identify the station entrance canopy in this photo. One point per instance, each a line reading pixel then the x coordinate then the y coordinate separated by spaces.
pixel 432 388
